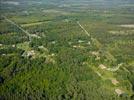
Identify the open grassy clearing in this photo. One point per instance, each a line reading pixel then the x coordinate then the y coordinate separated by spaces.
pixel 128 26
pixel 33 24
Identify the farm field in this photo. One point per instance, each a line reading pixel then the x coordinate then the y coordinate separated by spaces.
pixel 67 50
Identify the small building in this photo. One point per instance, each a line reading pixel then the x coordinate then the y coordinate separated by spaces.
pixel 102 66
pixel 119 91
pixel 114 81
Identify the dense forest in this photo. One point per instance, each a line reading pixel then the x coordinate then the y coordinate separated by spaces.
pixel 66 50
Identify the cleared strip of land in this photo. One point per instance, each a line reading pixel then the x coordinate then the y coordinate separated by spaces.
pixel 19 27
pixel 16 25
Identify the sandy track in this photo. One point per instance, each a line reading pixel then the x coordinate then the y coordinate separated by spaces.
pixel 83 28
pixel 116 68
